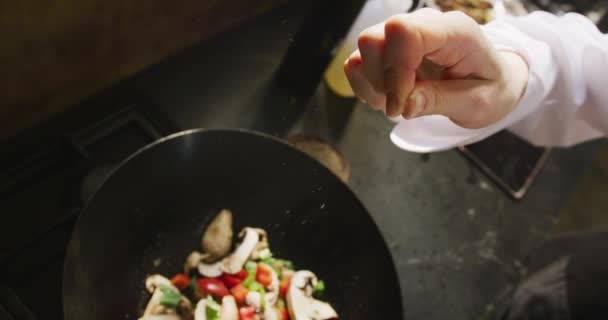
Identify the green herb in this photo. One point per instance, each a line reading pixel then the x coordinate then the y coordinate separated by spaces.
pixel 170 298
pixel 212 310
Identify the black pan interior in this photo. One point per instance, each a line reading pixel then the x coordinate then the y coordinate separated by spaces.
pixel 150 214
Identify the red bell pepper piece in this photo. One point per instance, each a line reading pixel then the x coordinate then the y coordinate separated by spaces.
pixel 242 274
pixel 181 281
pixel 284 286
pixel 283 314
pixel 264 275
pixel 213 287
pixel 230 281
pixel 239 293
pixel 247 313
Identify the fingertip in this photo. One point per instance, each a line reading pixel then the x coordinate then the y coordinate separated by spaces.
pixel 395 25
pixel 371 36
pixel 353 62
pixel 392 105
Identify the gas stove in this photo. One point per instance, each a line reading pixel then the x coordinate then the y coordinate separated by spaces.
pixel 44 186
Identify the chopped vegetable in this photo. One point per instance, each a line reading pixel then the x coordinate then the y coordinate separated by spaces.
pixel 239 293
pixel 264 275
pixel 247 313
pixel 212 309
pixel 181 281
pixel 265 254
pixel 284 286
pixel 251 266
pixel 254 286
pixel 230 281
pixel 285 264
pixel 257 287
pixel 270 262
pixel 241 274
pixel 278 265
pixel 262 286
pixel 281 303
pixel 212 286
pixel 250 279
pixel 319 287
pixel 193 285
pixel 170 298
pixel 283 314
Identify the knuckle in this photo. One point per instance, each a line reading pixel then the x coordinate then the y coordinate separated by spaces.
pixel 396 19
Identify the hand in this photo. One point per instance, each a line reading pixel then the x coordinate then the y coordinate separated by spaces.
pixel 474 85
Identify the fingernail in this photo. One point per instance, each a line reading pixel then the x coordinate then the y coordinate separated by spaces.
pixel 417 102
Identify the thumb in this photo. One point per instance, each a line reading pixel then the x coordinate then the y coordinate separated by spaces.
pixel 466 102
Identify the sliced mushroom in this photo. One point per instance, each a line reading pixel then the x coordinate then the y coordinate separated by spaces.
pixel 217 239
pixel 211 270
pixel 235 262
pixel 271 314
pixel 200 311
pixel 154 307
pixel 301 304
pixel 261 245
pixel 155 310
pixel 192 261
pixel 185 309
pixel 229 309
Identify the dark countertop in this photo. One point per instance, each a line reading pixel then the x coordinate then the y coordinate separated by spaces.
pixel 457 240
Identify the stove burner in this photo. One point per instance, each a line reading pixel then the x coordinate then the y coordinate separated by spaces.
pixel 61 177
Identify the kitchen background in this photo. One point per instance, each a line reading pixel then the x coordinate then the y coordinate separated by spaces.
pixel 86 83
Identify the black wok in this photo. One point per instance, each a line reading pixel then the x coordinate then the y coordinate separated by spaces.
pixel 150 213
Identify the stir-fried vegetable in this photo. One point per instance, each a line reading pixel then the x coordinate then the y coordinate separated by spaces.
pixel 212 310
pixel 213 287
pixel 319 287
pixel 170 298
pixel 230 281
pixel 247 284
pixel 181 281
pixel 284 286
pixel 239 293
pixel 264 275
pixel 247 313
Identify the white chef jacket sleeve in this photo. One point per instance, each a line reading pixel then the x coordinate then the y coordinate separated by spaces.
pixel 566 99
